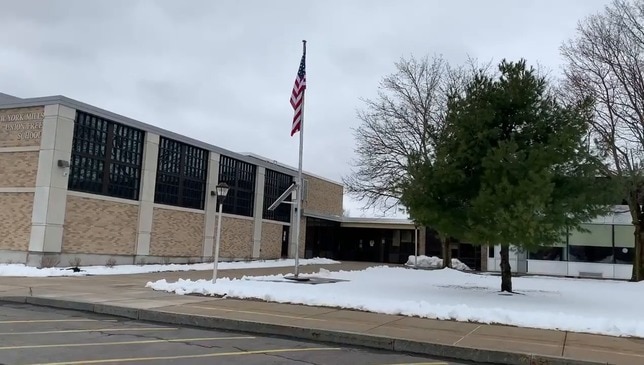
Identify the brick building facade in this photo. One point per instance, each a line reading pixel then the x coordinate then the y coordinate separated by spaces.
pixel 77 181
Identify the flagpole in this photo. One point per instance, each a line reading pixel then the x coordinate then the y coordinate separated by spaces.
pixel 299 183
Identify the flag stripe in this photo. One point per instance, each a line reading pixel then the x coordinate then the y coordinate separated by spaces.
pixel 297 95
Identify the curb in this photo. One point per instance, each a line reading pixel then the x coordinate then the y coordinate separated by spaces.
pixel 326 336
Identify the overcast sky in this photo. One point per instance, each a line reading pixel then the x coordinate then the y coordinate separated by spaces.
pixel 222 71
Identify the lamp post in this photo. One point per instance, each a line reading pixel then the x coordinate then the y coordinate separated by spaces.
pixel 415 246
pixel 222 191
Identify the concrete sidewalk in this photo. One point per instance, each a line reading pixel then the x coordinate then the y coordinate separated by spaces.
pixel 126 295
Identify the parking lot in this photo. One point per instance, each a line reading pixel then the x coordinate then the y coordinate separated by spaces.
pixel 39 335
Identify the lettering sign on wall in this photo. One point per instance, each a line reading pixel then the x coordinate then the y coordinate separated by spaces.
pixel 21 127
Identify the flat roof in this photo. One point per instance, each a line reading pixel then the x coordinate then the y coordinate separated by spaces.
pixel 6 98
pixel 385 223
pixel 333 218
pixel 9 101
pixel 364 222
pixel 620 216
pixel 376 219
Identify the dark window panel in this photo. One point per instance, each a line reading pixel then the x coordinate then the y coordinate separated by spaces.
pixel 624 255
pixel 181 174
pixel 275 184
pixel 591 254
pixel 240 177
pixel 555 253
pixel 106 157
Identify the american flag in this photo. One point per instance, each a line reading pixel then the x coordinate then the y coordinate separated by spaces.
pixel 297 95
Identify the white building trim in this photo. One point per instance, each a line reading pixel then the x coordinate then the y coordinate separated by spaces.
pixel 50 198
pixel 146 194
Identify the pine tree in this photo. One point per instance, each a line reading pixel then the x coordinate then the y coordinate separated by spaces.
pixel 514 170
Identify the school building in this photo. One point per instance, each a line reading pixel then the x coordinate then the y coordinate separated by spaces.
pixel 77 181
pixel 81 182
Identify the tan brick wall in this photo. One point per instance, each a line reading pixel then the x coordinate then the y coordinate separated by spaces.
pixel 302 237
pixel 18 169
pixel 15 220
pixel 100 226
pixel 176 233
pixel 271 247
pixel 21 126
pixel 236 238
pixel 323 197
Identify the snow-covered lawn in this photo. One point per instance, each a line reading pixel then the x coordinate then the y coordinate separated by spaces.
pixel 579 305
pixel 22 270
pixel 433 262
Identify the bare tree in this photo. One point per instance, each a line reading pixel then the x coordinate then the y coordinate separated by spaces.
pixel 407 118
pixel 604 65
pixel 404 121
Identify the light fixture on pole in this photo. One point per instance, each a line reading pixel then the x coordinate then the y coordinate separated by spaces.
pixel 222 191
pixel 415 246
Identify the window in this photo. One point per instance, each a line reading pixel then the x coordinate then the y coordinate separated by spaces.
pixel 275 184
pixel 558 251
pixel 624 247
pixel 407 236
pixel 604 243
pixel 596 245
pixel 240 177
pixel 182 171
pixel 106 157
pixel 554 253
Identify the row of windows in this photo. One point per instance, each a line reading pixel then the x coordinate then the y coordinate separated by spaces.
pixel 107 159
pixel 601 243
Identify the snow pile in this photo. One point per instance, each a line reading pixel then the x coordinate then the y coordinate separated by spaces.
pixel 22 270
pixel 433 262
pixel 578 305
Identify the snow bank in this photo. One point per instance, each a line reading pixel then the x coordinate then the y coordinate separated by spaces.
pixel 577 305
pixel 433 262
pixel 22 270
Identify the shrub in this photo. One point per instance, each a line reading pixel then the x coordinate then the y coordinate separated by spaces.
pixel 75 262
pixel 111 262
pixel 49 261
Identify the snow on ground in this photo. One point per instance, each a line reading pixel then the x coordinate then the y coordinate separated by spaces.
pixel 578 305
pixel 22 270
pixel 433 262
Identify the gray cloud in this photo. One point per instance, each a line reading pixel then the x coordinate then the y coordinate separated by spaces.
pixel 222 71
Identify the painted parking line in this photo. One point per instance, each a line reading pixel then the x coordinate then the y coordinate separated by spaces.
pixel 420 363
pixel 139 342
pixel 252 312
pixel 90 330
pixel 179 357
pixel 55 320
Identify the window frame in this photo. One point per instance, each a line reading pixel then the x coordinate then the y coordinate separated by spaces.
pixel 240 199
pixel 187 165
pixel 88 152
pixel 273 191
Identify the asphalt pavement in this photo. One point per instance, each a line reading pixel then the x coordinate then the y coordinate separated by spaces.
pixel 40 335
